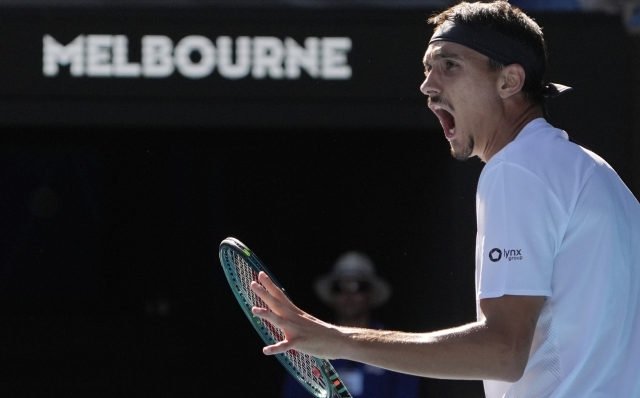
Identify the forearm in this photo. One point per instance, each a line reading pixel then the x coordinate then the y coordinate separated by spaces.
pixel 472 351
pixel 496 348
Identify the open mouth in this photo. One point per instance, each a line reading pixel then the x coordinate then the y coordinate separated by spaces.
pixel 447 121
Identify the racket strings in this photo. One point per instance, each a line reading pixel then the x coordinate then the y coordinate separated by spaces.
pixel 305 365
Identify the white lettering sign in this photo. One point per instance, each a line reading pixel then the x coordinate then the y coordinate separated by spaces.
pixel 197 57
pixel 157 58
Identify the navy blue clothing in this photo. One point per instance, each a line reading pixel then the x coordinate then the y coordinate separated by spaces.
pixel 363 381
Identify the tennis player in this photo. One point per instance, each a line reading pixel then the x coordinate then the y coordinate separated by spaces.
pixel 558 234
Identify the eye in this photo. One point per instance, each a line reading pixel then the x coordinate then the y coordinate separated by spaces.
pixel 449 64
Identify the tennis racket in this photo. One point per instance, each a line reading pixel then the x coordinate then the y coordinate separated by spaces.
pixel 241 266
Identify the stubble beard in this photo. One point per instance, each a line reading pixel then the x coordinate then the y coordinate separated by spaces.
pixel 465 152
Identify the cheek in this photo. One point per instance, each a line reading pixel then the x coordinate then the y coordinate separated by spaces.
pixel 477 100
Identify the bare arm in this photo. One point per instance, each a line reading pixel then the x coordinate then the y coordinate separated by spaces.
pixel 495 348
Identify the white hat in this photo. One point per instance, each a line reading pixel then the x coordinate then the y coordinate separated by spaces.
pixel 354 265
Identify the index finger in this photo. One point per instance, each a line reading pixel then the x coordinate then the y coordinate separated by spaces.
pixel 271 287
pixel 271 294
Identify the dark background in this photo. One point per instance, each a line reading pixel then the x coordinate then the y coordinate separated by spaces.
pixel 114 194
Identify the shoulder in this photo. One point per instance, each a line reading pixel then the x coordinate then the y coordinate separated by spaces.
pixel 544 152
pixel 540 167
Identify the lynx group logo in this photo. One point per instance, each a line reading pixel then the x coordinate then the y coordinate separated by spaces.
pixel 496 254
pixel 197 57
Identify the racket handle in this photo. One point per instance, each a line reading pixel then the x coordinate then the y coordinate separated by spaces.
pixel 338 386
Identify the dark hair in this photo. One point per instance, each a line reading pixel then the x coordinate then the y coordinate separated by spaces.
pixel 509 21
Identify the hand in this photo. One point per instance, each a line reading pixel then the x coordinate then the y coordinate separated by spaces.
pixel 302 332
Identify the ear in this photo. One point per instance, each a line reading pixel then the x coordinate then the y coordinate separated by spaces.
pixel 511 80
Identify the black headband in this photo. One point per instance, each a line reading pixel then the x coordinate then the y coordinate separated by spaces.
pixel 496 46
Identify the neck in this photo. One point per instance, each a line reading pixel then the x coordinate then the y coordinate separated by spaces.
pixel 508 130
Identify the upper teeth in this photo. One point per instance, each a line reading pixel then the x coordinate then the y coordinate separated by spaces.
pixel 451 130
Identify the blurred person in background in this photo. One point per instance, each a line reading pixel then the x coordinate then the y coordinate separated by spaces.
pixel 353 290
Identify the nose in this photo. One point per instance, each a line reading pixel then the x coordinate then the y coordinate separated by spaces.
pixel 430 85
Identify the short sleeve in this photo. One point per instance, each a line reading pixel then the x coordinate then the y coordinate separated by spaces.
pixel 519 219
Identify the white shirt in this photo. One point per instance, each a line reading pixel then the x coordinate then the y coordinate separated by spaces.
pixel 555 220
